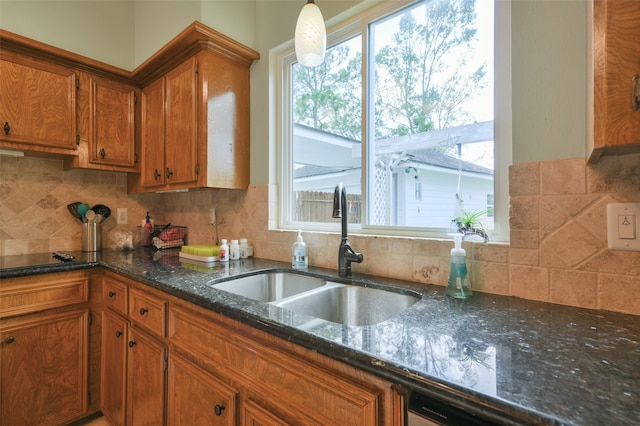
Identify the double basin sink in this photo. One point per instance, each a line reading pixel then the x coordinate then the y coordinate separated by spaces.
pixel 317 297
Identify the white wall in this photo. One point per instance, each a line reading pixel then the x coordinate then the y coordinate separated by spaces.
pixel 98 29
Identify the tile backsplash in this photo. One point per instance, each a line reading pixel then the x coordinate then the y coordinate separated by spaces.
pixel 557 251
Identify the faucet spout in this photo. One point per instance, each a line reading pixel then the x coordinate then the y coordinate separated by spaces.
pixel 346 254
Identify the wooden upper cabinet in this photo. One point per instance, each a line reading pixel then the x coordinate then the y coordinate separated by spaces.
pixel 112 123
pixel 107 117
pixel 181 142
pixel 616 78
pixel 37 105
pixel 152 133
pixel 202 78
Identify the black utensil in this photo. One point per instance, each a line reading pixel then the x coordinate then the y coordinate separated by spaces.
pixel 102 210
pixel 73 209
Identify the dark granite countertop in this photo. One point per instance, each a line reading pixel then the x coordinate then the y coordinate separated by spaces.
pixel 515 361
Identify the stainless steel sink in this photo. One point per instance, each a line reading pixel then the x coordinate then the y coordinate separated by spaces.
pixel 271 286
pixel 349 304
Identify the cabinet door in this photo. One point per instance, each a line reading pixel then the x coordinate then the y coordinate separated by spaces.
pixel 253 414
pixel 37 104
pixel 616 66
pixel 181 111
pixel 152 134
pixel 43 369
pixel 112 123
pixel 113 367
pixel 197 398
pixel 145 379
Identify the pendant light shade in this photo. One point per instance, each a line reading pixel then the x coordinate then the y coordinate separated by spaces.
pixel 311 36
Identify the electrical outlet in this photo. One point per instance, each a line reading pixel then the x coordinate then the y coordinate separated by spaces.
pixel 623 224
pixel 123 216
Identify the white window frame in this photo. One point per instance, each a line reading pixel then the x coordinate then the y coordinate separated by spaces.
pixel 283 57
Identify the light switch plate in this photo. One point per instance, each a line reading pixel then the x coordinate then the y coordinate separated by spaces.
pixel 122 215
pixel 623 224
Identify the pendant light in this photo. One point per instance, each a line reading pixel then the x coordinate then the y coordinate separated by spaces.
pixel 311 36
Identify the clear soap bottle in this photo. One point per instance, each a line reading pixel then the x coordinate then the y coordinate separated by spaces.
pixel 299 255
pixel 459 285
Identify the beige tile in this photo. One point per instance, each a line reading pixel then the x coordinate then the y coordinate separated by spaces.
pixel 524 179
pixel 524 239
pixel 529 257
pixel 490 277
pixel 568 247
pixel 563 177
pixel 529 283
pixel 427 269
pixel 555 211
pixel 614 174
pixel 524 213
pixel 574 288
pixel 619 293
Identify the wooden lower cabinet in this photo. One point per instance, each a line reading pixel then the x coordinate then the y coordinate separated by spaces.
pixel 45 333
pixel 197 398
pixel 146 373
pixel 114 366
pixel 279 382
pixel 204 368
pixel 43 363
pixel 134 360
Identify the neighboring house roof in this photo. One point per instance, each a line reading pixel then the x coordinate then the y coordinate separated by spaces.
pixel 427 157
pixel 438 159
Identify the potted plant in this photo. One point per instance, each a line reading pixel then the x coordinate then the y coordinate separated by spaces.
pixel 469 224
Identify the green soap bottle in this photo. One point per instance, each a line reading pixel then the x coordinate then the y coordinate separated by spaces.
pixel 459 285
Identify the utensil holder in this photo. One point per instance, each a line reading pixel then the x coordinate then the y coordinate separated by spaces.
pixel 91 237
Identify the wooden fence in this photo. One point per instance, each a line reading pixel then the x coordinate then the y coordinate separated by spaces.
pixel 313 206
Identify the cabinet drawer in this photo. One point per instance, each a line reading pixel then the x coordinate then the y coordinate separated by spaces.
pixel 31 294
pixel 148 311
pixel 115 295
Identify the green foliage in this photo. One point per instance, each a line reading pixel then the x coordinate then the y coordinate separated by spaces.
pixel 416 89
pixel 470 222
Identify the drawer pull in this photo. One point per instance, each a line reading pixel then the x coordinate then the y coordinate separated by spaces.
pixel 9 340
pixel 143 311
pixel 7 128
pixel 132 343
pixel 218 409
pixel 118 333
pixel 112 294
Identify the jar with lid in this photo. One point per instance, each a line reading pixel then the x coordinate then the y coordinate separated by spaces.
pixel 234 250
pixel 224 251
pixel 244 248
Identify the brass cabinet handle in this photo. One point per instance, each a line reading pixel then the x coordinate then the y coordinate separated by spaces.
pixel 218 409
pixel 9 340
pixel 143 311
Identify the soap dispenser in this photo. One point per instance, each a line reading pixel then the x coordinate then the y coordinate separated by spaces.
pixel 299 256
pixel 459 285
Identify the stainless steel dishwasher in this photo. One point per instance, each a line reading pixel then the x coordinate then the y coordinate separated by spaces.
pixel 426 411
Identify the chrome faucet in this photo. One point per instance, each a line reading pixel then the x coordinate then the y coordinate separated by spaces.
pixel 346 254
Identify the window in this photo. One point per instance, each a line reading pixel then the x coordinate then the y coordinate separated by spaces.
pixel 401 112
